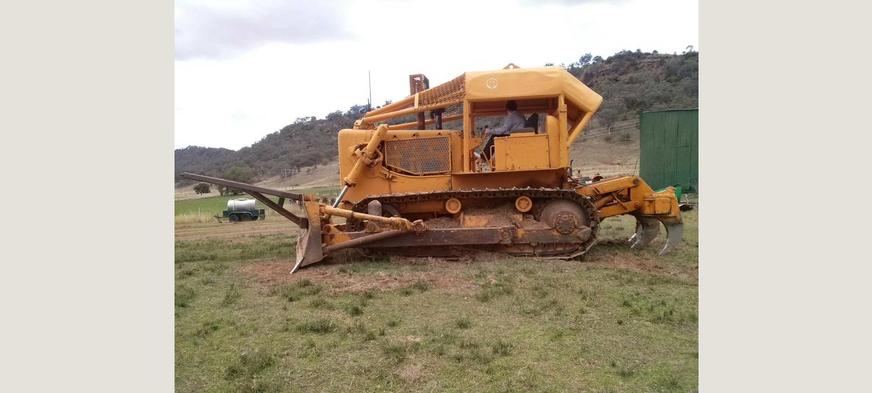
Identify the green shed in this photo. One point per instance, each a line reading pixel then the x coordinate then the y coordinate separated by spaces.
pixel 669 148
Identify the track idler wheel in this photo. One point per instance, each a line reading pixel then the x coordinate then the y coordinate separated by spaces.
pixel 564 216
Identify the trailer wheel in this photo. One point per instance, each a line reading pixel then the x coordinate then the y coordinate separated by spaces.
pixel 234 218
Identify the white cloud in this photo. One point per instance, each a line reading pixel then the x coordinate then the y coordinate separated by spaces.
pixel 232 100
pixel 209 30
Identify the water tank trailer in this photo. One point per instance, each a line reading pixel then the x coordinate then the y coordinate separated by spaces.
pixel 243 210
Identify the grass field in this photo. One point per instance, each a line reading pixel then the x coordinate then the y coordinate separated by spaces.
pixel 620 321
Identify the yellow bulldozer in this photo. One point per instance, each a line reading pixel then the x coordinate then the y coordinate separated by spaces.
pixel 411 185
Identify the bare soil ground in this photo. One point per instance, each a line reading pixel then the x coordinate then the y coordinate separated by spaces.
pixel 318 176
pixel 598 156
pixel 187 192
pixel 643 263
pixel 439 274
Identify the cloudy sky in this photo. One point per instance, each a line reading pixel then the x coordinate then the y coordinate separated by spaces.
pixel 246 68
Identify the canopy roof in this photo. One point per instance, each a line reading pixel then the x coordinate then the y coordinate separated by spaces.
pixel 499 85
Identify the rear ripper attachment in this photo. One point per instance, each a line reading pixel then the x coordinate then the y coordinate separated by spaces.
pixel 631 195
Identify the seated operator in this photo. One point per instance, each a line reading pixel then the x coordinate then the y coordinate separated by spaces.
pixel 512 121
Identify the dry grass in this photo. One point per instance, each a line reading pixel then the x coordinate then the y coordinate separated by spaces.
pixel 194 218
pixel 622 320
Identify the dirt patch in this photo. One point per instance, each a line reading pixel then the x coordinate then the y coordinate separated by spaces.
pixel 339 278
pixel 320 175
pixel 410 373
pixel 644 264
pixel 592 155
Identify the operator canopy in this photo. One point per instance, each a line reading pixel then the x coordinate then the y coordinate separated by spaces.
pixel 499 85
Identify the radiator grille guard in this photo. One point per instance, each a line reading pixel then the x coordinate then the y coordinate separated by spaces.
pixel 419 156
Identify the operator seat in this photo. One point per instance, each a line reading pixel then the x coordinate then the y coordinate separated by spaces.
pixel 532 122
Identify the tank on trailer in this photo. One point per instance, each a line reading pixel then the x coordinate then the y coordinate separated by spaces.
pixel 240 204
pixel 243 210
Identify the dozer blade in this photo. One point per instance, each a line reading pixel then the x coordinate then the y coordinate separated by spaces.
pixel 309 249
pixel 648 228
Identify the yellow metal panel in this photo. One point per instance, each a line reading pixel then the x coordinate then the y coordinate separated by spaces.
pixel 562 132
pixel 577 130
pixel 528 178
pixel 377 179
pixel 531 82
pixel 382 181
pixel 551 128
pixel 521 152
pixel 662 205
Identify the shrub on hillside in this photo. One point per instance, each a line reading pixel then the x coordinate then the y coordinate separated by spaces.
pixel 202 188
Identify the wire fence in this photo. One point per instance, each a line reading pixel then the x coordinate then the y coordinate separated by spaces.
pixel 617 128
pixel 605 170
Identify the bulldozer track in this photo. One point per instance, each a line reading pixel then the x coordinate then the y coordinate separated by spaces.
pixel 561 250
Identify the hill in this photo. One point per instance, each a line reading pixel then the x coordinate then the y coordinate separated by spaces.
pixel 630 83
pixel 306 142
pixel 635 82
pixel 203 159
